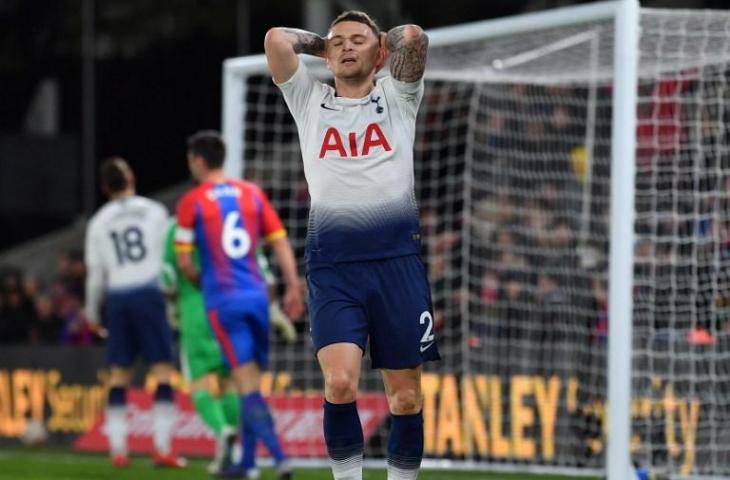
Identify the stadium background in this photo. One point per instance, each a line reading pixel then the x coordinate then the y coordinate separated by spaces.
pixel 156 78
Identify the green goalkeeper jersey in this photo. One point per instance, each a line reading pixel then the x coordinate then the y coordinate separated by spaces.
pixel 199 352
pixel 190 304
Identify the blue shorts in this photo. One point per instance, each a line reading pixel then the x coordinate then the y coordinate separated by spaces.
pixel 241 327
pixel 387 301
pixel 137 326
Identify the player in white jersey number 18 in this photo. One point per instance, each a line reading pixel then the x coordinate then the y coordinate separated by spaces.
pixel 124 242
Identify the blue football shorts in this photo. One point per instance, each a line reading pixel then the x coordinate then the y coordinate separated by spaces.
pixel 385 302
pixel 137 325
pixel 241 326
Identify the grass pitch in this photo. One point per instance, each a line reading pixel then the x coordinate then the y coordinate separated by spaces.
pixel 64 464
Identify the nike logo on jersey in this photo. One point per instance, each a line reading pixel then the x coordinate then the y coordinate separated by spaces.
pixel 334 141
pixel 327 108
pixel 426 347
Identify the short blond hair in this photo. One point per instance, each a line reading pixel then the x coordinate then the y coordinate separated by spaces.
pixel 356 16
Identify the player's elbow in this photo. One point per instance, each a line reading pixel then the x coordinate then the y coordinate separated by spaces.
pixel 414 34
pixel 275 38
pixel 413 31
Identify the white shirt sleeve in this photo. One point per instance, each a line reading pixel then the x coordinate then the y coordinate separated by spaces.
pixel 95 276
pixel 298 91
pixel 409 94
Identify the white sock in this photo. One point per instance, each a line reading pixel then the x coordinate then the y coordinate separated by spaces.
pixel 116 429
pixel 395 473
pixel 253 474
pixel 164 421
pixel 348 469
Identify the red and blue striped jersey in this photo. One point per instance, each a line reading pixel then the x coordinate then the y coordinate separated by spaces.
pixel 225 221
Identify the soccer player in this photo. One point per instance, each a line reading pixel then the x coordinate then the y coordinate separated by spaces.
pixel 124 258
pixel 365 278
pixel 201 356
pixel 224 219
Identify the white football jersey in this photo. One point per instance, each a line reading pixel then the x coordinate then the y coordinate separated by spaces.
pixel 358 162
pixel 124 246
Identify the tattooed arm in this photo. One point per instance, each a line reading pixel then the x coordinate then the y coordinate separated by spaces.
pixel 407 46
pixel 282 46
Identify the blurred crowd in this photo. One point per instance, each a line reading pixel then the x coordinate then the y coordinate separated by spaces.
pixel 518 248
pixel 45 311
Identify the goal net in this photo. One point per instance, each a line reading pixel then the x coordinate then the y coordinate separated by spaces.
pixel 513 169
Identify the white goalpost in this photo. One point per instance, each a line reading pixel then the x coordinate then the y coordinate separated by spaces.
pixel 573 174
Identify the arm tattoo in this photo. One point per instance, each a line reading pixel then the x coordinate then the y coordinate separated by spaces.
pixel 407 54
pixel 307 42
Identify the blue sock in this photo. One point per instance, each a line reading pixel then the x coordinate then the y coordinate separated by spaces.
pixel 248 458
pixel 117 397
pixel 344 438
pixel 255 416
pixel 405 446
pixel 164 393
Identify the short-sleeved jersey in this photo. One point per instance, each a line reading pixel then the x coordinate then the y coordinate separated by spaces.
pixel 124 243
pixel 224 222
pixel 358 162
pixel 190 299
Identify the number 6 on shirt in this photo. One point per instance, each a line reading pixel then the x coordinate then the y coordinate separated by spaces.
pixel 235 240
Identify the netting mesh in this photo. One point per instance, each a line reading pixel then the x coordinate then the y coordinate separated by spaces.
pixel 512 171
pixel 680 317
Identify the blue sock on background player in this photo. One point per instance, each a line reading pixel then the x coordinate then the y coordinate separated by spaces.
pixel 405 446
pixel 344 439
pixel 116 420
pixel 256 418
